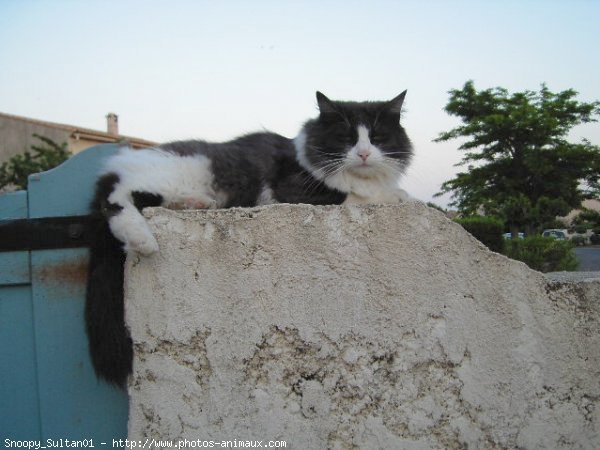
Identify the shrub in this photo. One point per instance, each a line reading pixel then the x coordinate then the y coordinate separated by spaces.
pixel 542 254
pixel 488 230
pixel 578 240
pixel 587 216
pixel 44 156
pixel 553 224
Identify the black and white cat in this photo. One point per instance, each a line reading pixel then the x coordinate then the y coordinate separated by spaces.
pixel 351 153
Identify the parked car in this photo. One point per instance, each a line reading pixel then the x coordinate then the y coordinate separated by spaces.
pixel 509 235
pixel 558 234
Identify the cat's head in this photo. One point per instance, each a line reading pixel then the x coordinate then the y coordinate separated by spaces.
pixel 355 140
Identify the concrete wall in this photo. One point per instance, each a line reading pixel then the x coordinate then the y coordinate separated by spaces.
pixel 355 327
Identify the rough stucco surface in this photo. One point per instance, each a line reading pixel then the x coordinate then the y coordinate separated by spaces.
pixel 355 327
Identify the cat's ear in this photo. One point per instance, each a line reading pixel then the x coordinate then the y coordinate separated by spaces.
pixel 325 105
pixel 395 105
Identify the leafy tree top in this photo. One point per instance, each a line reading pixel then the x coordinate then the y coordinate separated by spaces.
pixel 516 150
pixel 499 122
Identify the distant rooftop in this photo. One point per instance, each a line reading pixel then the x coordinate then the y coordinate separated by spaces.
pixel 110 136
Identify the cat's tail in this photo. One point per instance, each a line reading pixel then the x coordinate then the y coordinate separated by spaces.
pixel 109 341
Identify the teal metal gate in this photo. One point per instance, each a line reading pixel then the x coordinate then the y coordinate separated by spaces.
pixel 48 389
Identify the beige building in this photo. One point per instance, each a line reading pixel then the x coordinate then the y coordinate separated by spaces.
pixel 16 135
pixel 593 204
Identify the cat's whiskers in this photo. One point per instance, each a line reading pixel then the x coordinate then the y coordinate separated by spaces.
pixel 396 153
pixel 328 169
pixel 337 165
pixel 331 164
pixel 387 165
pixel 326 166
pixel 393 162
pixel 394 170
pixel 340 168
pixel 310 184
pixel 343 167
pixel 320 152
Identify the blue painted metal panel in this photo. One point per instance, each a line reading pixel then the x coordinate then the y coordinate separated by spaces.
pixel 70 402
pixel 13 205
pixel 73 404
pixel 19 406
pixel 14 266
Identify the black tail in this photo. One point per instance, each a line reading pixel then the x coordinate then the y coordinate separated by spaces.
pixel 109 340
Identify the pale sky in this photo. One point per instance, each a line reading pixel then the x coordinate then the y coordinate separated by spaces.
pixel 217 69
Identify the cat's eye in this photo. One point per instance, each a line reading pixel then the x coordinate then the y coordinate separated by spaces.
pixel 376 136
pixel 341 130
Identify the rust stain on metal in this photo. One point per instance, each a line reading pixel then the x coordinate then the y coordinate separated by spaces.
pixel 71 271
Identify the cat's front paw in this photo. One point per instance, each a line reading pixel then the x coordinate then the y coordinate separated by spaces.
pixel 146 245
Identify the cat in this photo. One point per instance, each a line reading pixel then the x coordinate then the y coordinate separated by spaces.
pixel 353 152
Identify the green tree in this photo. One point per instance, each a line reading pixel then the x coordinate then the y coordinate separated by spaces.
pixel 43 156
pixel 519 164
pixel 588 220
pixel 593 185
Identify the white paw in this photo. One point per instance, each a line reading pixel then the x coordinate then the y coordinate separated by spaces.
pixel 131 228
pixel 146 245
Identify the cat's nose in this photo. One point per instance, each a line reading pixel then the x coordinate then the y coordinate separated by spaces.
pixel 364 154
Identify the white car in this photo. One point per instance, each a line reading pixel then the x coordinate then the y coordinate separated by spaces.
pixel 559 235
pixel 509 235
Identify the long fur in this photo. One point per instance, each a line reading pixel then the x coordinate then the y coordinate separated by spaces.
pixel 352 153
pixel 108 338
